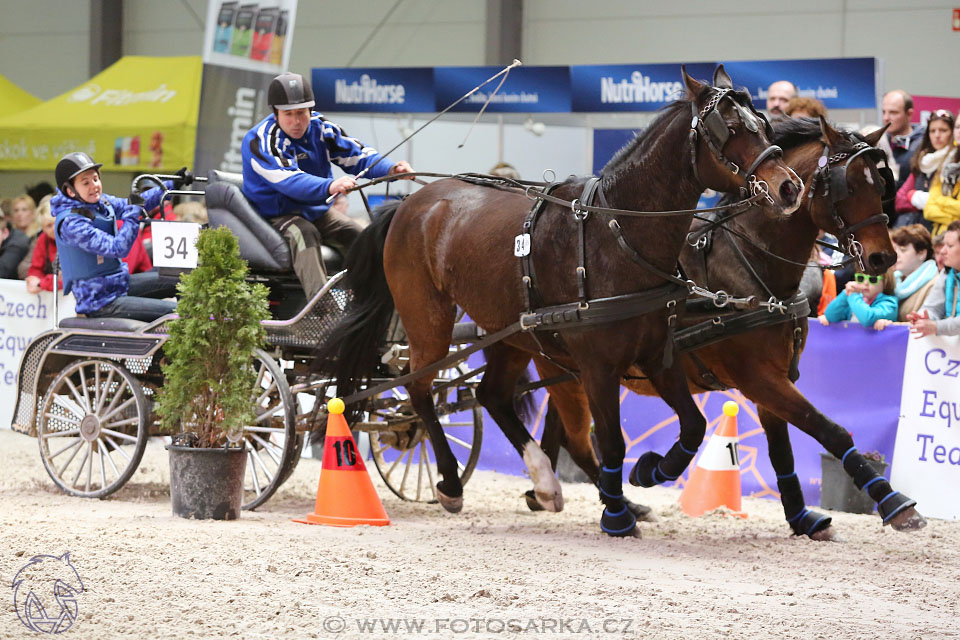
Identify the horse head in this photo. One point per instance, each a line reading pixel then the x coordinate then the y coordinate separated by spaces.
pixel 732 148
pixel 847 194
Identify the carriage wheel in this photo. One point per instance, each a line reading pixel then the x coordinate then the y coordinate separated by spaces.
pixel 93 428
pixel 405 459
pixel 271 438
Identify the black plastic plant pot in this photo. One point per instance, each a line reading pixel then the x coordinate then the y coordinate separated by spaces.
pixel 837 491
pixel 207 484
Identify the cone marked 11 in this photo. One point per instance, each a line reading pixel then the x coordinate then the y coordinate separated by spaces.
pixel 344 498
pixel 715 480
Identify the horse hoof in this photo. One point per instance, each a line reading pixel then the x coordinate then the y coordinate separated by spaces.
pixel 908 520
pixel 642 512
pixel 549 501
pixel 825 535
pixel 532 503
pixel 453 505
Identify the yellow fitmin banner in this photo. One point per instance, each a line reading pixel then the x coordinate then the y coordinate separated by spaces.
pixel 14 99
pixel 139 114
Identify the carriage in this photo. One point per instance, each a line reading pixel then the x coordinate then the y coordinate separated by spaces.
pixel 86 387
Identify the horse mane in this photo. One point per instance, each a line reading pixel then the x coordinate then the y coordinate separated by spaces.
pixel 637 149
pixel 789 133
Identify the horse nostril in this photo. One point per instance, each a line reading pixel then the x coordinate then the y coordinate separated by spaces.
pixel 789 192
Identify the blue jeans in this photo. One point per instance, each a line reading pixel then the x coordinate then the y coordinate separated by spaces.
pixel 141 303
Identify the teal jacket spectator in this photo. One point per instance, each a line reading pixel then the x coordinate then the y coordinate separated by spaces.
pixel 844 307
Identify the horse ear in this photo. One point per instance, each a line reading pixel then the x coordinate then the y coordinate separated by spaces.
pixel 831 136
pixel 721 79
pixel 693 87
pixel 873 138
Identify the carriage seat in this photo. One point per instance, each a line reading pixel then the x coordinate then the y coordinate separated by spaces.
pixel 262 246
pixel 102 324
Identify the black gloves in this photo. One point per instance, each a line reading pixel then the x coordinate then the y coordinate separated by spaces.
pixel 185 176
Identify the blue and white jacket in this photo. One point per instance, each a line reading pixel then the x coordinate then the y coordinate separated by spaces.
pixel 89 246
pixel 282 175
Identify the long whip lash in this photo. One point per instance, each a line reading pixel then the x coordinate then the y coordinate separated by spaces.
pixel 503 72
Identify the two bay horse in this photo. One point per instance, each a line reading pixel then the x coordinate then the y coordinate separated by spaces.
pixel 754 256
pixel 454 243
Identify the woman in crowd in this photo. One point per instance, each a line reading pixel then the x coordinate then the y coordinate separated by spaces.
pixel 24 213
pixel 867 298
pixel 938 316
pixel 915 271
pixel 39 275
pixel 805 108
pixel 943 205
pixel 925 163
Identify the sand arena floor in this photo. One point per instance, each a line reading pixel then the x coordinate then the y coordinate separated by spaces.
pixel 495 570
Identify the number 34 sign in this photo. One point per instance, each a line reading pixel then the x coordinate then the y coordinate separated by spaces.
pixel 175 244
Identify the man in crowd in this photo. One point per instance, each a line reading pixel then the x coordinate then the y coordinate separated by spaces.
pixel 287 175
pixel 14 244
pixel 779 95
pixel 904 138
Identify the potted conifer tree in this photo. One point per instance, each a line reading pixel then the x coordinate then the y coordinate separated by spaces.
pixel 209 379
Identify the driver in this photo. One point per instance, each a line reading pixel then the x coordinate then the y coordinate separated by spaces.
pixel 287 176
pixel 90 245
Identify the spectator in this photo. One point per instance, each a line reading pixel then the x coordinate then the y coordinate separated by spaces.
pixel 915 271
pixel 6 207
pixel 39 191
pixel 904 138
pixel 805 108
pixel 866 298
pixel 938 316
pixel 938 253
pixel 943 205
pixel 24 215
pixel 779 95
pixel 191 211
pixel 23 269
pixel 913 193
pixel 14 244
pixel 39 274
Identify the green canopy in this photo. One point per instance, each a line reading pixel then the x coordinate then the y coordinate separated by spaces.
pixel 139 114
pixel 14 99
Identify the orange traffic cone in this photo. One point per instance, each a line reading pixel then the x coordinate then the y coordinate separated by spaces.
pixel 345 494
pixel 715 481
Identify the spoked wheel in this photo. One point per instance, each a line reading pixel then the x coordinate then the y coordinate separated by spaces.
pixel 272 438
pixel 405 458
pixel 93 428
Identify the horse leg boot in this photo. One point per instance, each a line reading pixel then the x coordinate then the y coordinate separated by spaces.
pixel 603 391
pixel 652 468
pixel 802 521
pixel 495 393
pixel 894 508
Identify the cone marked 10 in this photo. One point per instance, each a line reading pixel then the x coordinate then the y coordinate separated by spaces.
pixel 344 498
pixel 715 481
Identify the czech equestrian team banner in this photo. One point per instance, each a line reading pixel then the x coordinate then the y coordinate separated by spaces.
pixel 841 83
pixel 927 462
pixel 245 45
pixel 22 316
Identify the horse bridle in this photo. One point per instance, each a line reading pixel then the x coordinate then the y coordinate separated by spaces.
pixel 833 177
pixel 710 125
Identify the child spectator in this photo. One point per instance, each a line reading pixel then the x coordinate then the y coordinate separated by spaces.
pixel 924 165
pixel 866 298
pixel 939 316
pixel 39 274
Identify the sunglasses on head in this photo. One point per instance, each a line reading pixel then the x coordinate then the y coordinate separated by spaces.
pixel 863 278
pixel 942 113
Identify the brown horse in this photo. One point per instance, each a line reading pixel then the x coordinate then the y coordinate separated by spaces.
pixel 844 196
pixel 455 243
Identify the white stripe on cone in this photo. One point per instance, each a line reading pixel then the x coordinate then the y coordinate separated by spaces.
pixel 722 453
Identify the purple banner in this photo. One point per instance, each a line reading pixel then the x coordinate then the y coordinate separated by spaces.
pixel 852 375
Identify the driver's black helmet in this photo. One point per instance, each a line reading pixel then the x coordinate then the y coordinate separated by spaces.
pixel 72 165
pixel 290 91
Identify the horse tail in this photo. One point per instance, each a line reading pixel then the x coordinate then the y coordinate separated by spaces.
pixel 350 353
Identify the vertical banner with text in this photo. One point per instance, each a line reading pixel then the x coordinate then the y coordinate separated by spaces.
pixel 927 450
pixel 245 45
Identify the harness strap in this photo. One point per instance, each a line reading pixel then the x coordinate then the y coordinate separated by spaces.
pixel 636 257
pixel 734 323
pixel 589 190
